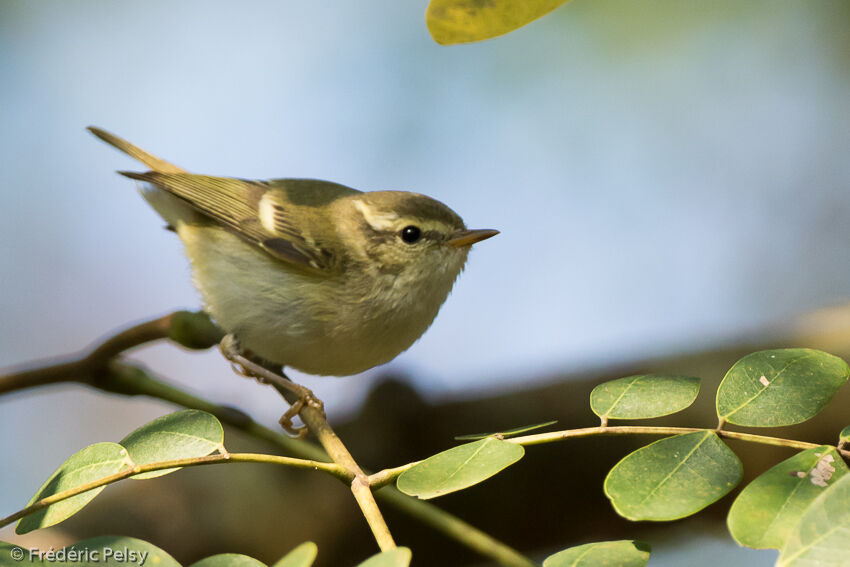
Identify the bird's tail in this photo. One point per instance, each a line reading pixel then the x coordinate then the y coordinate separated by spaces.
pixel 153 162
pixel 175 211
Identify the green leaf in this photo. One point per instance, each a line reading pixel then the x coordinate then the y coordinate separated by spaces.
pixel 17 553
pixel 464 21
pixel 779 387
pixel 117 551
pixel 765 513
pixel 459 467
pixel 228 560
pixel 505 434
pixel 301 556
pixel 92 463
pixel 820 538
pixel 398 557
pixel 181 435
pixel 673 477
pixel 623 553
pixel 643 396
pixel 844 436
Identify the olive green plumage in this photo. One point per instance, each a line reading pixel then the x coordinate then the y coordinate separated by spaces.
pixel 308 273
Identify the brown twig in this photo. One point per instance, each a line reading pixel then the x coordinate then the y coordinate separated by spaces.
pixel 85 368
pixel 99 368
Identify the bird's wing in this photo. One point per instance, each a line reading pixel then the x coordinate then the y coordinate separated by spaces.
pixel 255 211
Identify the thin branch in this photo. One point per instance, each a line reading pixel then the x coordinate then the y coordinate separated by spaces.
pixel 455 528
pixel 550 437
pixel 317 423
pixel 146 332
pixel 330 468
pixel 315 420
pixel 133 380
pixel 388 476
pixel 84 367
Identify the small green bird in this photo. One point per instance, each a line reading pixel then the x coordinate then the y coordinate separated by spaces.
pixel 310 274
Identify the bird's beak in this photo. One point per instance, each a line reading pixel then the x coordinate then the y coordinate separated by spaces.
pixel 470 237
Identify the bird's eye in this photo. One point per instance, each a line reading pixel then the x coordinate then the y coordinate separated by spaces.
pixel 411 234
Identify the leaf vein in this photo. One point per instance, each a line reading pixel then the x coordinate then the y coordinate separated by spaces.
pixel 675 469
pixel 764 388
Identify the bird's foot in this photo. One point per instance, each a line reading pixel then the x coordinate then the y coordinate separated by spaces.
pixel 306 398
pixel 246 367
pixel 232 351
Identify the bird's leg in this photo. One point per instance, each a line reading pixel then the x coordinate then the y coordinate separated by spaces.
pixel 244 366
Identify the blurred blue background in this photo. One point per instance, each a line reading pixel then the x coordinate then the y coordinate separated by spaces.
pixel 667 176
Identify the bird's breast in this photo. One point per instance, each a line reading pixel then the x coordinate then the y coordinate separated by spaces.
pixel 335 325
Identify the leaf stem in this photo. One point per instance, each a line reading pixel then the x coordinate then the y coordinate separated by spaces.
pixel 553 436
pixel 330 468
pixel 387 476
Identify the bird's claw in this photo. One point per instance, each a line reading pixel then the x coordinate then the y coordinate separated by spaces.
pixel 230 349
pixel 286 420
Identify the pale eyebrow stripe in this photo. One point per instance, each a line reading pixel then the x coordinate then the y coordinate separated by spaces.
pixel 378 221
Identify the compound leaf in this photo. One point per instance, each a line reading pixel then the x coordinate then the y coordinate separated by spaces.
pixel 398 557
pixel 459 467
pixel 228 560
pixel 115 551
pixel 779 387
pixel 301 556
pixel 673 477
pixel 90 464
pixel 180 435
pixel 644 396
pixel 765 513
pixel 820 537
pixel 623 553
